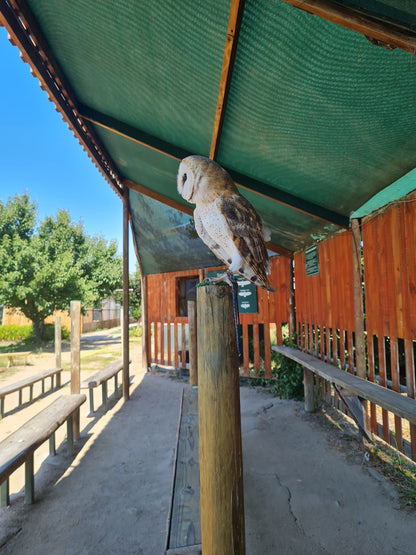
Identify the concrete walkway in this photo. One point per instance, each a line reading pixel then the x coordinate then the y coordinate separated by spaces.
pixel 301 494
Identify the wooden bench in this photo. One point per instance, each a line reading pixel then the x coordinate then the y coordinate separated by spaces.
pixel 101 378
pixel 398 404
pixel 29 382
pixel 17 354
pixel 18 447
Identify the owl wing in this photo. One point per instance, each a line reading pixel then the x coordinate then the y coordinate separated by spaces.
pixel 208 240
pixel 247 228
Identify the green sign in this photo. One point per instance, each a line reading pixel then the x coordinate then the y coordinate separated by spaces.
pixel 246 294
pixel 311 261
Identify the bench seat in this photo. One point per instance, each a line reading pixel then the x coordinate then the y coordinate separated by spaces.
pixel 101 378
pixel 398 404
pixel 29 382
pixel 11 356
pixel 18 447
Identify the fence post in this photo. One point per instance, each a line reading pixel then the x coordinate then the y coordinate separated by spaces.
pixel 292 313
pixel 193 343
pixel 145 328
pixel 358 300
pixel 220 451
pixel 58 348
pixel 75 358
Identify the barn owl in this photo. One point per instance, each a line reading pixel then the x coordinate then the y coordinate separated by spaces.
pixel 225 220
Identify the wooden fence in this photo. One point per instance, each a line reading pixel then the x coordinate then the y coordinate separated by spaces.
pixel 389 243
pixel 168 332
pixel 325 310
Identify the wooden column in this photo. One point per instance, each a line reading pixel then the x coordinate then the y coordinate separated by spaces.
pixel 126 354
pixel 292 313
pixel 145 326
pixel 75 358
pixel 358 300
pixel 220 452
pixel 58 348
pixel 193 343
pixel 360 361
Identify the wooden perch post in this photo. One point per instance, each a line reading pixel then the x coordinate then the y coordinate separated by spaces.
pixel 220 451
pixel 193 344
pixel 75 359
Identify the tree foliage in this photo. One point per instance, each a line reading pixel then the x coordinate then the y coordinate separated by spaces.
pixel 43 268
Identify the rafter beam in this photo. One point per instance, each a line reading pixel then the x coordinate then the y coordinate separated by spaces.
pixel 231 41
pixel 189 211
pixel 384 32
pixel 243 181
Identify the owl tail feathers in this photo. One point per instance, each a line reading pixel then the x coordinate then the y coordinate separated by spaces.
pixel 267 286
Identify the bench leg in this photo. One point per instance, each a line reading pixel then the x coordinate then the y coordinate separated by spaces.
pixel 29 481
pixel 20 396
pixel 104 394
pixel 4 494
pixel 309 388
pixel 58 379
pixel 43 387
pixel 91 392
pixel 52 446
pixel 116 385
pixel 52 382
pixel 31 393
pixel 1 408
pixel 70 437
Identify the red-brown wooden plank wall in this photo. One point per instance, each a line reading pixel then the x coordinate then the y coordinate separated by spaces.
pixel 325 304
pixel 167 331
pixel 389 244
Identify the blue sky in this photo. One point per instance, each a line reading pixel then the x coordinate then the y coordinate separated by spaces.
pixel 40 155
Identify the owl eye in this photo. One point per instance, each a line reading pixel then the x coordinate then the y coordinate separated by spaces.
pixel 184 178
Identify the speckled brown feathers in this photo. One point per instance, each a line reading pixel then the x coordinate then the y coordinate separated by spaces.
pixel 225 220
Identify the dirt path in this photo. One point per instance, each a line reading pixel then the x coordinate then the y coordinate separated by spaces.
pixel 304 494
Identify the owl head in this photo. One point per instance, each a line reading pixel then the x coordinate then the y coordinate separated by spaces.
pixel 200 178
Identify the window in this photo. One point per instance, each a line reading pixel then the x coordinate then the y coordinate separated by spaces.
pixel 186 291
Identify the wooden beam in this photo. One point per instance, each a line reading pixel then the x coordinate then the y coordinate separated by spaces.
pixel 380 30
pixel 190 211
pixel 358 300
pixel 241 180
pixel 186 209
pixel 125 323
pixel 231 41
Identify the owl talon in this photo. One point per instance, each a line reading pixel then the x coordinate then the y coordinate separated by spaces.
pixel 227 277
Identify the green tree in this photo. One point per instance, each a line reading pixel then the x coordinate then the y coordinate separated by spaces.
pixel 43 268
pixel 135 297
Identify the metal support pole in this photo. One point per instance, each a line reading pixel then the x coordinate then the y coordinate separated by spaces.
pixel 220 451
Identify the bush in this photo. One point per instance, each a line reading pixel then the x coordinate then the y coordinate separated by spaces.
pixel 48 333
pixel 135 332
pixel 20 333
pixel 15 333
pixel 288 374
